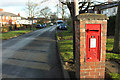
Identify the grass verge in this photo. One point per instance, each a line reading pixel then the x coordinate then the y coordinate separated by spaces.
pixel 112 56
pixel 109 47
pixel 65 44
pixel 115 76
pixel 109 44
pixel 11 34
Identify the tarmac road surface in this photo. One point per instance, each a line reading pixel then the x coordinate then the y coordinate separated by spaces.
pixel 31 55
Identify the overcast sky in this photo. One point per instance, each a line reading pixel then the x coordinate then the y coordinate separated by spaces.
pixel 18 6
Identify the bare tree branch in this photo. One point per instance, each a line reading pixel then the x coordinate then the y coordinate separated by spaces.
pixel 65 3
pixel 83 11
pixel 45 12
pixel 83 4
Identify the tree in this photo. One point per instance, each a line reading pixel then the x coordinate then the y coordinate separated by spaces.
pixel 62 10
pixel 84 5
pixel 117 31
pixel 53 17
pixel 45 12
pixel 31 9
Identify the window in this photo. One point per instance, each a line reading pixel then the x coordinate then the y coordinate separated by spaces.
pixel 95 12
pixel 6 17
pixel 3 22
pixel 12 18
pixel 106 10
pixel 3 17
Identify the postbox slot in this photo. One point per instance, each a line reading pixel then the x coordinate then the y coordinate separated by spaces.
pixel 94 30
pixel 93 42
pixel 91 30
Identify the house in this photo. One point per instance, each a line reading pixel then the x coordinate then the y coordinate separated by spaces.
pixel 43 20
pixel 109 9
pixel 30 20
pixel 24 21
pixel 8 18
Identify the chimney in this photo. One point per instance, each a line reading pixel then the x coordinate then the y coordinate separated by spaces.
pixel 18 14
pixel 1 9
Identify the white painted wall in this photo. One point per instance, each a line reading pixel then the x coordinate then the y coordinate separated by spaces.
pixel 110 11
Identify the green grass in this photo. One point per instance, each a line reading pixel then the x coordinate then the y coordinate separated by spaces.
pixel 109 44
pixel 67 35
pixel 66 44
pixel 66 49
pixel 109 47
pixel 115 76
pixel 112 56
pixel 12 34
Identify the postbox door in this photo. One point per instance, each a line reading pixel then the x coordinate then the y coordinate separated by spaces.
pixel 93 43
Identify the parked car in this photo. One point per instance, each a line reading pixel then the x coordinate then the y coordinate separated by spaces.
pixel 59 22
pixel 58 25
pixel 39 26
pixel 62 27
pixel 44 25
pixel 51 24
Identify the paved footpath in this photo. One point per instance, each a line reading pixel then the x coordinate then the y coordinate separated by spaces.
pixel 32 55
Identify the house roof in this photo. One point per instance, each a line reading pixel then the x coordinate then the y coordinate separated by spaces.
pixel 106 6
pixel 2 13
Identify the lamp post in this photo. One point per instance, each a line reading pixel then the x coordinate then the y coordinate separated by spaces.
pixel 76 7
pixel 75 13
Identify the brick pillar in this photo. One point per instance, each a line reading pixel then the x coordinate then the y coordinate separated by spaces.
pixel 94 66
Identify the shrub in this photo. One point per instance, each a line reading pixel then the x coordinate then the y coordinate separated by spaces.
pixel 111 26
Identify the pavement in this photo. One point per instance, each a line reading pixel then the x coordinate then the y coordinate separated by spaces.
pixel 32 55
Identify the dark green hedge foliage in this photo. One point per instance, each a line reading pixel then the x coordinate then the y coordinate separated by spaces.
pixel 111 26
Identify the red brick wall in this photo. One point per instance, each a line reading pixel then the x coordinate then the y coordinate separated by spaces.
pixel 89 69
pixel 7 20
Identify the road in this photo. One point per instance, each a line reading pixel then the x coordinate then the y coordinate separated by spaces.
pixel 31 55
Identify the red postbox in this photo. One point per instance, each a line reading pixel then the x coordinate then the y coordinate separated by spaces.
pixel 93 42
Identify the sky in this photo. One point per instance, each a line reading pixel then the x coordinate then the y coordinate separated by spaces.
pixel 18 6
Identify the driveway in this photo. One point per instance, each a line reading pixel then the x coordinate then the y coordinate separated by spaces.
pixel 32 55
